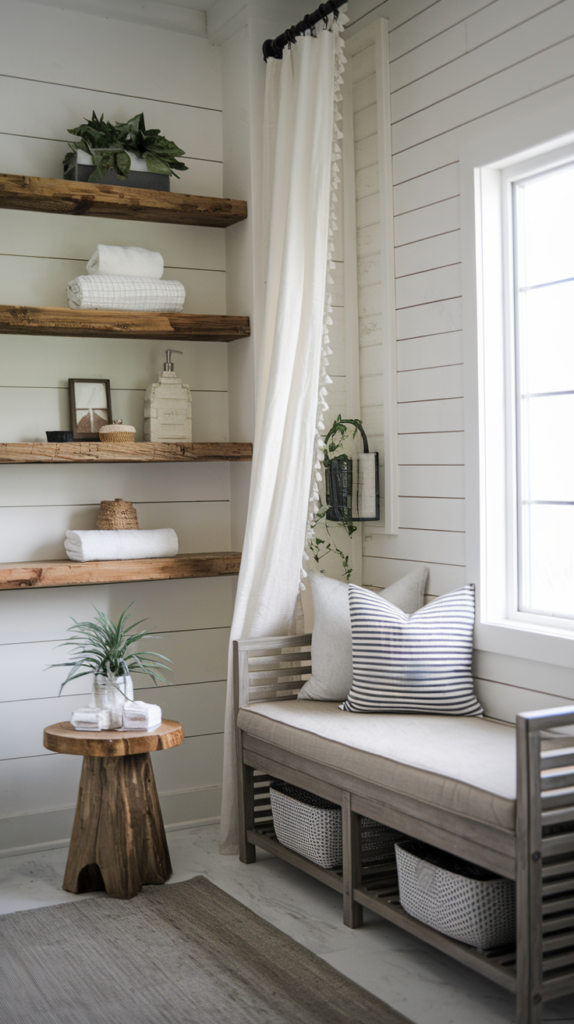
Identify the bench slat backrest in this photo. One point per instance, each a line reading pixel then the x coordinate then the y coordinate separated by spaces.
pixel 271 668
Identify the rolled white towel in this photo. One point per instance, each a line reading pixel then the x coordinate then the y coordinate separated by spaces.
pixel 90 718
pixel 110 291
pixel 142 716
pixel 108 545
pixel 127 260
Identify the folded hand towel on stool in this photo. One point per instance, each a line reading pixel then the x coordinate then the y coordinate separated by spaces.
pixel 108 291
pixel 128 260
pixel 139 715
pixel 90 718
pixel 109 545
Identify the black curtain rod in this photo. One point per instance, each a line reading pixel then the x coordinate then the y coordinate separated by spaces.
pixel 275 47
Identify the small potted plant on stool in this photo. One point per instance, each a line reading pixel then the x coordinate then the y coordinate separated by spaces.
pixel 103 649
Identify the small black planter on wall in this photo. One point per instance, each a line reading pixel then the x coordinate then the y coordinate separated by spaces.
pixel 346 503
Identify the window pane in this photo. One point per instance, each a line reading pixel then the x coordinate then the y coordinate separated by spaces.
pixel 547 338
pixel 544 332
pixel 548 560
pixel 548 438
pixel 547 249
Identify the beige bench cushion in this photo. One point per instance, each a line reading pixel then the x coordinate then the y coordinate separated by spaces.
pixel 466 765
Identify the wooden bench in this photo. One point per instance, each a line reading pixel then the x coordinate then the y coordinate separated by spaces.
pixel 538 852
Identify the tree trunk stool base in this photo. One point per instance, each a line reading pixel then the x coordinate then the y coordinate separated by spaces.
pixel 118 840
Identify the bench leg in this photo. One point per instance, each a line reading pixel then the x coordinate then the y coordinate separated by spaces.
pixel 529 907
pixel 247 851
pixel 352 911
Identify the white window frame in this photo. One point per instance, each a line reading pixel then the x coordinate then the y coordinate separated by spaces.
pixel 487 169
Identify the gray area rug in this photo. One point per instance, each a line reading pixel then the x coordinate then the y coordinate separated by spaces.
pixel 175 954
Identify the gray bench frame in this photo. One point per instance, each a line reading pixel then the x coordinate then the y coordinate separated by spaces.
pixel 542 863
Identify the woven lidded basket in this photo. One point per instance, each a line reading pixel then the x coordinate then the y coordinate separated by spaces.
pixel 480 911
pixel 312 827
pixel 117 433
pixel 117 515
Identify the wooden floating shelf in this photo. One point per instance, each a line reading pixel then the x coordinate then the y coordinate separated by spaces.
pixel 112 323
pixel 61 573
pixel 144 451
pixel 52 195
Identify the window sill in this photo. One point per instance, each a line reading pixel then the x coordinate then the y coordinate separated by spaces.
pixel 526 640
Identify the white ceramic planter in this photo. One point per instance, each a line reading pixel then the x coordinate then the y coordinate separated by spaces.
pixel 138 162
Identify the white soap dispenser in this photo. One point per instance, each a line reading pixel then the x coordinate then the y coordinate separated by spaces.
pixel 167 407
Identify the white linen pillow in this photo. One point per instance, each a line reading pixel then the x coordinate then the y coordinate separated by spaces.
pixel 331 648
pixel 420 663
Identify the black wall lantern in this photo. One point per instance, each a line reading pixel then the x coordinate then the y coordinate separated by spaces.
pixel 352 485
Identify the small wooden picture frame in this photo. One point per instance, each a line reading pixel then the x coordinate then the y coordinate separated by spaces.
pixel 90 407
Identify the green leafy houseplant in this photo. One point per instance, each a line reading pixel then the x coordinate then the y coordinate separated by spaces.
pixel 334 441
pixel 102 648
pixel 108 143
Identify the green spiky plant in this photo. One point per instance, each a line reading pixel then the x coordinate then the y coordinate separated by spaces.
pixel 101 647
pixel 107 144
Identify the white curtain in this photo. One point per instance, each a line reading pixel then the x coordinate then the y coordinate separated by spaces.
pixel 300 136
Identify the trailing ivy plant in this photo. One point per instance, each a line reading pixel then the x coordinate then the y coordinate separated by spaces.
pixel 334 442
pixel 107 144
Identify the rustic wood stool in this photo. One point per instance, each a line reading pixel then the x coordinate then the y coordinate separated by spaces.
pixel 118 840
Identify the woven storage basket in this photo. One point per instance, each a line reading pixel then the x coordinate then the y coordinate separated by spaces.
pixel 117 515
pixel 117 433
pixel 312 827
pixel 480 912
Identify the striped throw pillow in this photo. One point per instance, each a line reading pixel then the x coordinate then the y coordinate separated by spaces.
pixel 418 663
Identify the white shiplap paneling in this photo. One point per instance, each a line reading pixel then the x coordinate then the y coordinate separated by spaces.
pixel 50 80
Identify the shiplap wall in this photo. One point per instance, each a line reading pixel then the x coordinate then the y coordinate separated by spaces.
pixel 458 68
pixel 56 66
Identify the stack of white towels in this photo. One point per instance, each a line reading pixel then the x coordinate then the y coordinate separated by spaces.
pixel 138 716
pixel 126 277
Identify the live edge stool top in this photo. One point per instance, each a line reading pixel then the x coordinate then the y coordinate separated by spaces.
pixel 62 738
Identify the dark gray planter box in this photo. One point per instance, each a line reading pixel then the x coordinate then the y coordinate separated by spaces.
pixel 136 179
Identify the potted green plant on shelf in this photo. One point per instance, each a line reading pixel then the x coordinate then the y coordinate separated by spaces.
pixel 122 153
pixel 103 649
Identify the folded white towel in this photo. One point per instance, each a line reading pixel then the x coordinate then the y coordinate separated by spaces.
pixel 90 718
pixel 139 715
pixel 110 291
pixel 105 545
pixel 128 260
